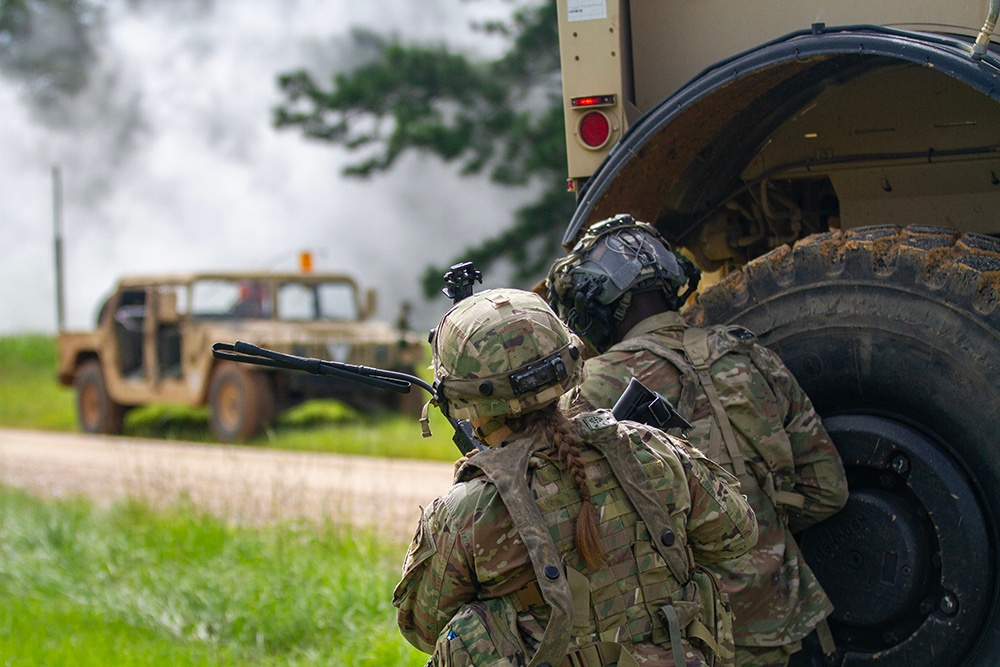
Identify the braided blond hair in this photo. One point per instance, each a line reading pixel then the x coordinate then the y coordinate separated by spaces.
pixel 552 425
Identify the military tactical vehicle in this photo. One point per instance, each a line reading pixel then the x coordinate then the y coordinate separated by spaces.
pixel 835 164
pixel 153 344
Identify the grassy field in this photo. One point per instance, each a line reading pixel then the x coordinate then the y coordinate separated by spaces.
pixel 30 397
pixel 130 586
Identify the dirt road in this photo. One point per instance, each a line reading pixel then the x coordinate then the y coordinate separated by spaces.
pixel 251 485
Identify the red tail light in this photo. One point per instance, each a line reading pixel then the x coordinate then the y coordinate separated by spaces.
pixel 594 129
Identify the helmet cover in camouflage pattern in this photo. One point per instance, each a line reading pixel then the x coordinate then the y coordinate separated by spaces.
pixel 503 352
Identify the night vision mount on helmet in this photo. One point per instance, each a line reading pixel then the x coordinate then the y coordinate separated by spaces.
pixel 591 289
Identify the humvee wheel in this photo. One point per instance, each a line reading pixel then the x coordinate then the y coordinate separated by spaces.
pixel 241 403
pixel 895 335
pixel 96 411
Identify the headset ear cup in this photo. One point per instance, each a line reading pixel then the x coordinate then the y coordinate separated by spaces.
pixel 692 272
pixel 693 275
pixel 604 329
pixel 600 326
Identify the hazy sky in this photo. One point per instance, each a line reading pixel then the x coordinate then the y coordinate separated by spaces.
pixel 169 162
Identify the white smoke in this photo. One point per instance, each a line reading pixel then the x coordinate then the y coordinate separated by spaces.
pixel 169 161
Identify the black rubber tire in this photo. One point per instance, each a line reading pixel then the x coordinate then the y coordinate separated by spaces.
pixel 241 402
pixel 96 411
pixel 897 331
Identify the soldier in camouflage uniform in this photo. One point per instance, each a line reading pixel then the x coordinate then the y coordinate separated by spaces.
pixel 566 541
pixel 620 289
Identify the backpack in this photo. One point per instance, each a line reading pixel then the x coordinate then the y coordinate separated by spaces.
pixel 484 633
pixel 693 355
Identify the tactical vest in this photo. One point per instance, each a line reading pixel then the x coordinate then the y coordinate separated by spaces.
pixel 681 600
pixel 693 355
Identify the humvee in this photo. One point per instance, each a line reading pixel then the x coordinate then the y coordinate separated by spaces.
pixel 834 165
pixel 154 335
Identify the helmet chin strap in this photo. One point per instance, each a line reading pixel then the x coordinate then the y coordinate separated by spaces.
pixel 623 304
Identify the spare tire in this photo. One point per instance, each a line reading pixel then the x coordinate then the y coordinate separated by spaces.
pixel 895 335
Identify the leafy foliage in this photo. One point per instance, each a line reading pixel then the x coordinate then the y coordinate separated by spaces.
pixel 502 117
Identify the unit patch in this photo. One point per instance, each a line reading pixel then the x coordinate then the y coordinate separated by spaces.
pixel 599 419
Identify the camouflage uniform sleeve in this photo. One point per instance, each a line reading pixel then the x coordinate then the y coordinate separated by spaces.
pixel 819 471
pixel 721 524
pixel 437 577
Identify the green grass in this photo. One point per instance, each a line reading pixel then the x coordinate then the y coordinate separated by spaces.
pixel 128 585
pixel 30 397
pixel 133 586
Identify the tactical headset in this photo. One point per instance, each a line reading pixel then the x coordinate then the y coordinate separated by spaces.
pixel 591 289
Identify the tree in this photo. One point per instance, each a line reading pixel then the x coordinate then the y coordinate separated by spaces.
pixel 502 116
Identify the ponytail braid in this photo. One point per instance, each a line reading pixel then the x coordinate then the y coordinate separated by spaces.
pixel 553 425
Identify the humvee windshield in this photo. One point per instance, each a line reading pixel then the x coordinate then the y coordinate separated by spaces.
pixel 260 299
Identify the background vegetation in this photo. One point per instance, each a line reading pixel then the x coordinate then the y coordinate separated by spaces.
pixel 503 117
pixel 129 586
pixel 30 397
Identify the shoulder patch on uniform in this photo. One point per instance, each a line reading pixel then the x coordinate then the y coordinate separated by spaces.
pixel 598 419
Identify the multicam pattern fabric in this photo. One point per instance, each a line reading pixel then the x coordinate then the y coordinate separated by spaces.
pixel 467 549
pixel 490 335
pixel 775 596
pixel 478 634
pixel 766 656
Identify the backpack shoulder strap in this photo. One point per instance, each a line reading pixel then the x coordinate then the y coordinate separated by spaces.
pixel 615 446
pixel 507 470
pixel 778 488
pixel 673 353
pixel 696 348
pixel 782 492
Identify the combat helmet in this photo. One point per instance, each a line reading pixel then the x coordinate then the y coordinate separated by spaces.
pixel 592 287
pixel 502 352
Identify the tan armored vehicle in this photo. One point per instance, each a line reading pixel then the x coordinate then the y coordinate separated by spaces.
pixel 154 337
pixel 836 164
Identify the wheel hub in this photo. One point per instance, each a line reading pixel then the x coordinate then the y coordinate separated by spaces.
pixel 884 545
pixel 906 562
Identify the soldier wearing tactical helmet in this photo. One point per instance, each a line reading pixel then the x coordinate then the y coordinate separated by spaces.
pixel 620 289
pixel 566 541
